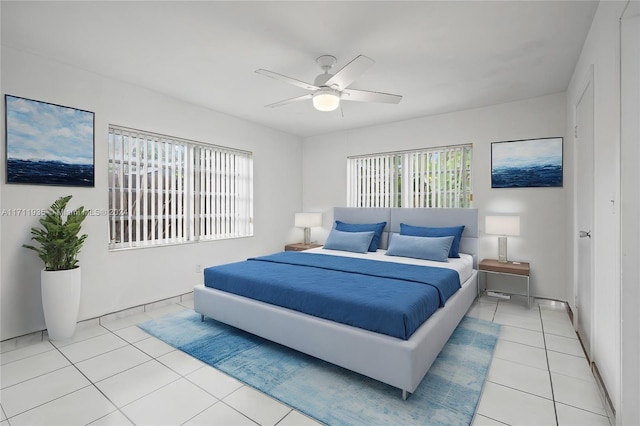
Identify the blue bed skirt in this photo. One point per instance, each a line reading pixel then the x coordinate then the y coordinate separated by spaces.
pixel 383 297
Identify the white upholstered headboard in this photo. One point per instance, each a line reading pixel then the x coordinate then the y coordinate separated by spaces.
pixel 418 217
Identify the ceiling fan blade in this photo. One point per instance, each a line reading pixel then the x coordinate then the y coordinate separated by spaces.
pixel 350 72
pixel 286 79
pixel 366 96
pixel 289 101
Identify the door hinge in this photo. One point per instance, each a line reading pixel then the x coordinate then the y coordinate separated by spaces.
pixel 575 132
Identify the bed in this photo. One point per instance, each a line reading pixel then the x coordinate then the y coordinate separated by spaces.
pixel 400 361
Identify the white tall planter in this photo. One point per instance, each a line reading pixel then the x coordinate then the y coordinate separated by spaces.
pixel 61 301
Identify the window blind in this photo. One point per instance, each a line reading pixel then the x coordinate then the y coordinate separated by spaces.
pixel 167 190
pixel 431 177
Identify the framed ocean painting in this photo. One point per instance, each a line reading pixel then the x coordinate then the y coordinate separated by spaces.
pixel 527 163
pixel 48 144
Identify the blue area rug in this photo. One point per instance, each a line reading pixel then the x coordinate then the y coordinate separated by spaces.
pixel 448 394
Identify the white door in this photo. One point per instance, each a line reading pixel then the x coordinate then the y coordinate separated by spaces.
pixel 584 215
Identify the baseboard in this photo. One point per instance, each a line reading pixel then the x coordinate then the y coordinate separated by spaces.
pixel 40 335
pixel 608 404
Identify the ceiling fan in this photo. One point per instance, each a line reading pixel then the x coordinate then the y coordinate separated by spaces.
pixel 329 89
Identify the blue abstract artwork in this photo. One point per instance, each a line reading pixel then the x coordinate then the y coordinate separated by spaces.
pixel 527 163
pixel 48 144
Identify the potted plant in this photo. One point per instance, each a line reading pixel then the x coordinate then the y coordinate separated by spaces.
pixel 61 277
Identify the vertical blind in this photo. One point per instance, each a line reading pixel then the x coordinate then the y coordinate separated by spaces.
pixel 433 177
pixel 167 190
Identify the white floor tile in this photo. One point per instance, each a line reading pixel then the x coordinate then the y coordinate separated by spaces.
pixel 215 382
pixel 486 300
pixel 26 351
pixel 521 335
pixel 188 303
pixel 165 310
pixel 566 345
pixel 111 363
pixel 557 312
pixel 126 321
pixel 480 420
pixel 484 311
pixel 257 406
pixel 529 323
pixel 571 416
pixel 154 347
pixel 220 414
pixel 181 363
pixel 82 333
pixel 77 408
pixel 552 305
pixel 136 382
pixel 32 393
pixel 559 328
pixel 21 342
pixel 570 365
pixel 95 346
pixel 514 407
pixel 173 404
pixel 296 418
pixel 520 377
pixel 521 354
pixel 132 334
pixel 521 310
pixel 30 367
pixel 114 419
pixel 577 393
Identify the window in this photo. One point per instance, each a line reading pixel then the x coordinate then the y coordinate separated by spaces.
pixel 166 190
pixel 433 177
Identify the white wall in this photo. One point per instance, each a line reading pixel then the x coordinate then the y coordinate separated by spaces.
pixel 543 211
pixel 629 214
pixel 114 281
pixel 602 51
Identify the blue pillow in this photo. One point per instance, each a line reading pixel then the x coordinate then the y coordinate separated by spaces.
pixel 428 248
pixel 357 242
pixel 425 231
pixel 364 227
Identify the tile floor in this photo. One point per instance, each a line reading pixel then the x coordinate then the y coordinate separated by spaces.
pixel 115 374
pixel 539 374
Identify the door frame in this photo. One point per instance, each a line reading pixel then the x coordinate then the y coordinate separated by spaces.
pixel 628 411
pixel 588 79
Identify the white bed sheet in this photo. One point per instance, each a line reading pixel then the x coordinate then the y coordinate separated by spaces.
pixel 463 265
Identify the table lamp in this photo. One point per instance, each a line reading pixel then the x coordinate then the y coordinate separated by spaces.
pixel 503 226
pixel 306 221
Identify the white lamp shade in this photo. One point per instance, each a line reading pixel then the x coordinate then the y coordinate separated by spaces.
pixel 308 220
pixel 502 225
pixel 326 100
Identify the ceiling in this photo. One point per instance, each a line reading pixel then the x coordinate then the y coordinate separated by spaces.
pixel 441 56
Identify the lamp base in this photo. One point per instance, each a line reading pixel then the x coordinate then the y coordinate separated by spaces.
pixel 502 249
pixel 307 235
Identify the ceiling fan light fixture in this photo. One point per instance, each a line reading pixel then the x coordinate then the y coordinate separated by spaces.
pixel 326 100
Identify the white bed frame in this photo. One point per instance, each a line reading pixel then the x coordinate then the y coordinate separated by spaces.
pixel 397 362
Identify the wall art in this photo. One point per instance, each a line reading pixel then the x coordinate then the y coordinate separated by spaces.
pixel 48 144
pixel 527 163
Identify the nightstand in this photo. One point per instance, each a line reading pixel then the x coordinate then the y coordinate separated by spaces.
pixel 300 246
pixel 515 269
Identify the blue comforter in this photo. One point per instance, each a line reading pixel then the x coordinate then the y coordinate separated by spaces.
pixel 384 297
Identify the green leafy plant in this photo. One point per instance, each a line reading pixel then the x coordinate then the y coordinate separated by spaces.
pixel 59 240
